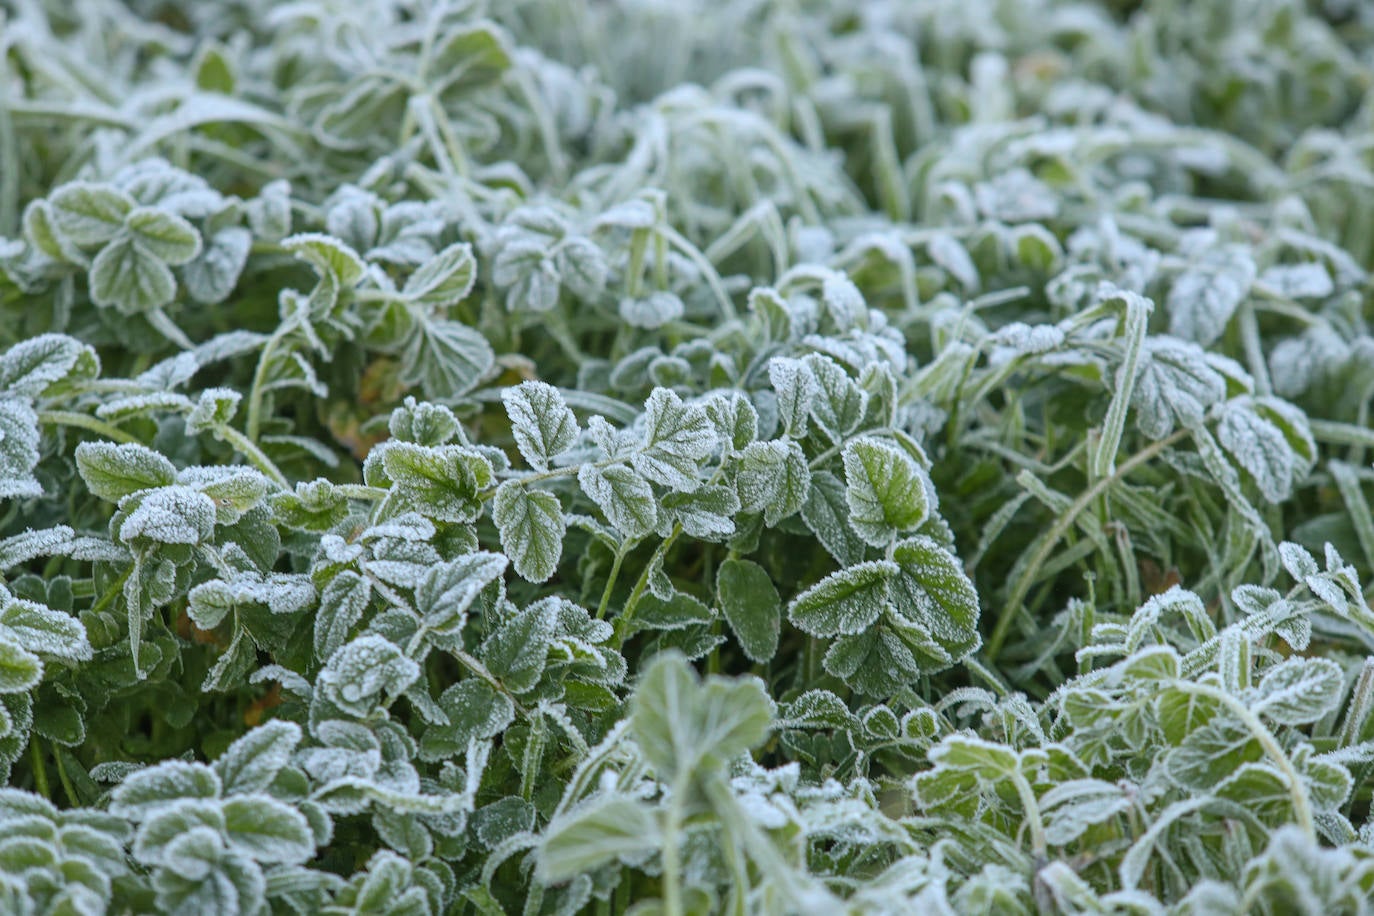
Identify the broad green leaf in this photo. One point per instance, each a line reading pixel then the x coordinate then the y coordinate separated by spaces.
pixel 252 762
pixel 169 237
pixel 329 256
pixel 444 279
pixel 128 276
pixel 267 830
pixel 1299 690
pixel 88 213
pixel 441 482
pixel 112 471
pixel 845 602
pixel 885 490
pixel 677 437
pixel 772 478
pixel 449 589
pixel 932 590
pixel 517 651
pixel 30 367
pixel 446 358
pixel 541 421
pixel 826 513
pixel 621 493
pixel 342 604
pixel 684 725
pixel 146 791
pixel 20 669
pixel 475 710
pixel 531 526
pixel 18 449
pixel 606 829
pixel 751 606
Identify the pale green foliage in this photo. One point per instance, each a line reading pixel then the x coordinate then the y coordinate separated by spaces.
pixel 546 457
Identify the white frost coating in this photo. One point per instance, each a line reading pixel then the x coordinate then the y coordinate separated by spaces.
pixel 171 515
pixel 796 388
pixel 1205 296
pixel 677 437
pixel 1310 280
pixel 621 493
pixel 1174 383
pixel 359 673
pixel 1261 449
pixel 1020 339
pixel 541 421
pixel 18 449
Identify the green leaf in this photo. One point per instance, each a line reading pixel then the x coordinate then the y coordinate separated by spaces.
pixel 684 725
pixel 329 256
pixel 677 437
pixel 170 238
pixel 441 482
pixel 885 490
pixel 342 604
pixel 846 602
pixel 826 513
pixel 20 669
pixel 751 606
pixel 706 513
pixel 932 590
pixel 31 367
pixel 839 403
pixel 128 276
pixel 1071 807
pixel 449 589
pixel 621 493
pixel 112 471
pixel 1299 690
pixel 170 515
pixel 532 527
pixel 875 662
pixel 18 449
pixel 145 791
pixel 267 830
pixel 252 762
pixel 541 421
pixel 773 478
pixel 88 213
pixel 518 650
pixel 443 280
pixel 476 711
pixel 446 358
pixel 609 828
pixel 42 630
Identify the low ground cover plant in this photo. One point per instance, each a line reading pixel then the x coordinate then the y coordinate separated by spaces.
pixel 556 456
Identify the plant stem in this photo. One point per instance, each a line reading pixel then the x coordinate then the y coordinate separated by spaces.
pixel 83 421
pixel 40 770
pixel 244 445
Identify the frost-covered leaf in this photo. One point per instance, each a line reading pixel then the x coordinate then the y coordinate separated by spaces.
pixel 212 275
pixel 751 606
pixel 796 388
pixel 252 762
pixel 31 366
pixel 532 526
pixel 444 279
pixel 845 602
pixel 449 589
pixel 267 830
pixel 517 650
pixel 18 449
pixel 446 358
pixel 129 276
pixel 365 670
pixel 683 724
pixel 89 213
pixel 112 471
pixel 932 589
pixel 621 493
pixel 677 437
pixel 773 478
pixel 610 828
pixel 170 515
pixel 1299 690
pixel 541 421
pixel 1207 293
pixel 170 238
pixel 885 490
pixel 156 787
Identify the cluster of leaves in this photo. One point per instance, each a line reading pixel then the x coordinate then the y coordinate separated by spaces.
pixel 553 457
